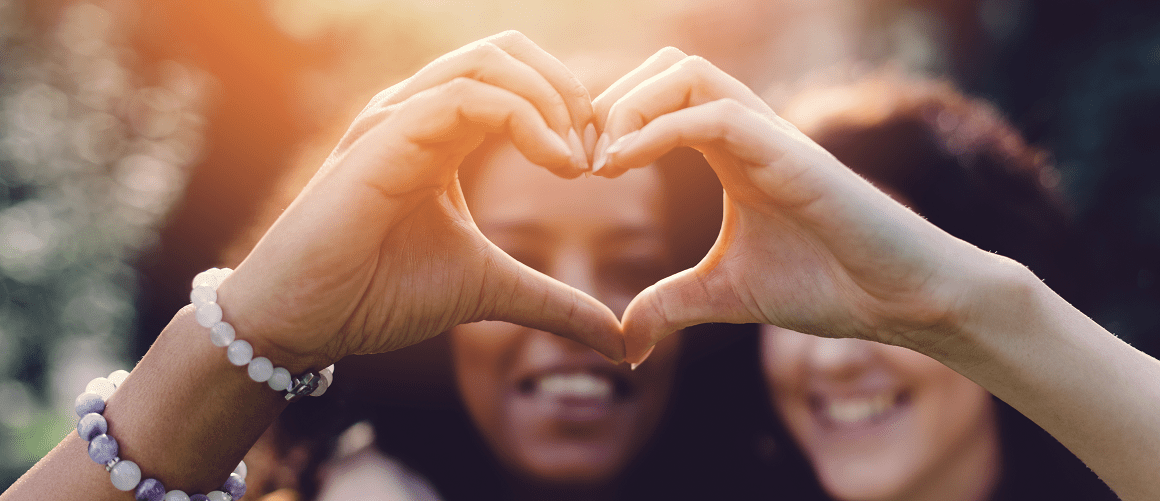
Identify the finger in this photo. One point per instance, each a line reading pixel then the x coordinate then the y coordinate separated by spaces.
pixel 575 94
pixel 437 115
pixel 679 301
pixel 524 296
pixel 658 62
pixel 690 82
pixel 746 135
pixel 488 63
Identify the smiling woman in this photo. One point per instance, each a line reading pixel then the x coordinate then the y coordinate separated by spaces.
pixel 879 422
pixel 553 409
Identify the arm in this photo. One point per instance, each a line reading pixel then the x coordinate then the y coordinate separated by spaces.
pixel 1096 394
pixel 378 252
pixel 808 245
pixel 185 415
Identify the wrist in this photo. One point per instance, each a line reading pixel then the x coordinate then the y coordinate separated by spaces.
pixel 998 301
pixel 218 411
pixel 249 310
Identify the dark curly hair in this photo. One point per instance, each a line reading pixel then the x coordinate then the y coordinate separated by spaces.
pixel 957 162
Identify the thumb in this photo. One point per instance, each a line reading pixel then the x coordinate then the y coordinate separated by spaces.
pixel 521 295
pixel 688 298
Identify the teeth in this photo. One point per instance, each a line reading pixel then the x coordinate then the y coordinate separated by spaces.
pixel 854 410
pixel 579 385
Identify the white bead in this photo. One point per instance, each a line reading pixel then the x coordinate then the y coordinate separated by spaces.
pixel 260 369
pixel 328 374
pixel 222 334
pixel 218 496
pixel 125 475
pixel 241 469
pixel 117 377
pixel 201 295
pixel 240 352
pixel 209 314
pixel 223 273
pixel 204 278
pixel 323 384
pixel 279 380
pixel 176 495
pixel 102 387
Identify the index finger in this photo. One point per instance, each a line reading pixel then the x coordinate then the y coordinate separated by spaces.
pixel 575 94
pixel 657 63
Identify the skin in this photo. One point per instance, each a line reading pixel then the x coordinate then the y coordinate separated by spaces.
pixel 376 253
pixel 606 239
pixel 379 252
pixel 808 245
pixel 935 438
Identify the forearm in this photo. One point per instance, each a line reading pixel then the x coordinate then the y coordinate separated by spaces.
pixel 1096 394
pixel 185 415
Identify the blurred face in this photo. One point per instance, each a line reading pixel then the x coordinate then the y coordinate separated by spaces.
pixel 881 422
pixel 552 409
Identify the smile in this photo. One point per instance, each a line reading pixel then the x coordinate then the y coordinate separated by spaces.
pixel 853 412
pixel 575 386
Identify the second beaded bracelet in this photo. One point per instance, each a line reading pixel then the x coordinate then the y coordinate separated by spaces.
pixel 123 473
pixel 204 297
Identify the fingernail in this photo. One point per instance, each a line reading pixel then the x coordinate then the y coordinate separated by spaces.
pixel 599 157
pixel 622 143
pixel 634 367
pixel 579 160
pixel 590 139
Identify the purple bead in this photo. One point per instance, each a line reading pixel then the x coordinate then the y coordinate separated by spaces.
pixel 103 449
pixel 235 486
pixel 91 425
pixel 199 497
pixel 89 402
pixel 149 489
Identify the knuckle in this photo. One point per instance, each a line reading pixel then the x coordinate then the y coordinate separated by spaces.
pixel 576 89
pixel 512 36
pixel 726 112
pixel 670 53
pixel 486 52
pixel 696 63
pixel 728 107
pixel 458 85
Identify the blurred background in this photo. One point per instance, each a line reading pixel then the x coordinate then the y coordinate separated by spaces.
pixel 141 141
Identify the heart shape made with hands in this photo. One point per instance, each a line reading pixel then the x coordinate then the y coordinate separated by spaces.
pixel 381 250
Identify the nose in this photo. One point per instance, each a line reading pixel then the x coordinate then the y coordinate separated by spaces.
pixel 838 358
pixel 576 267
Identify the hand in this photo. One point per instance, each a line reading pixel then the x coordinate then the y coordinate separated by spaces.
pixel 805 244
pixel 379 251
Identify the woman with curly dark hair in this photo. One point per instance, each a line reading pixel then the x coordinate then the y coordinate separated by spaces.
pixel 878 422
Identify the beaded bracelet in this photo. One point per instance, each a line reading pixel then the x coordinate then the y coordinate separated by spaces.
pixel 125 474
pixel 209 314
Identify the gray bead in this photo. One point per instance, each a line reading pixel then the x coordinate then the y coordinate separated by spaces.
pixel 150 489
pixel 235 486
pixel 102 449
pixel 89 402
pixel 199 497
pixel 91 425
